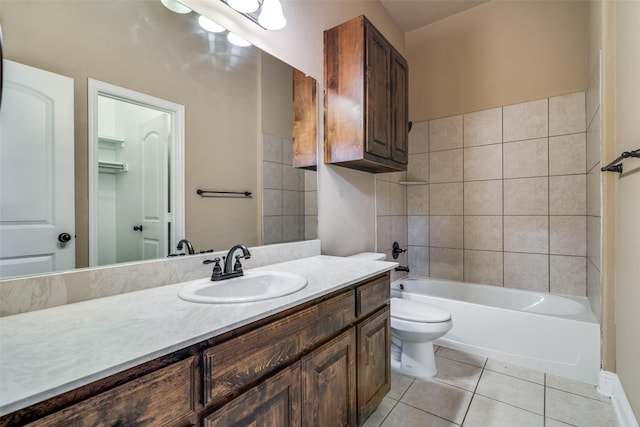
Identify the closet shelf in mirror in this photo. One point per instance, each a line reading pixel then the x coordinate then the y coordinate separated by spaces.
pixel 110 142
pixel 112 167
pixel 412 182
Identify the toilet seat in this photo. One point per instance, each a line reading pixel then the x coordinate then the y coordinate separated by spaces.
pixel 414 311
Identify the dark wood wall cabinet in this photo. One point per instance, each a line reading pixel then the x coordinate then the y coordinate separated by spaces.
pixel 323 363
pixel 305 121
pixel 366 99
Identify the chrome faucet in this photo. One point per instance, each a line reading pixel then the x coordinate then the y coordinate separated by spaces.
pixel 182 242
pixel 229 266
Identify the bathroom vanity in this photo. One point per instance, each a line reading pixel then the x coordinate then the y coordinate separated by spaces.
pixel 317 357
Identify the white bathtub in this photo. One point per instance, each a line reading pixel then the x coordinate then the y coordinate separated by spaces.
pixel 550 333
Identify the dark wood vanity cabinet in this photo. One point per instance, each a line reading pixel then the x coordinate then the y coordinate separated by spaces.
pixel 164 397
pixel 366 99
pixel 323 363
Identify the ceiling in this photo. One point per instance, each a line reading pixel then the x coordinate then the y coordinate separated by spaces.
pixel 412 14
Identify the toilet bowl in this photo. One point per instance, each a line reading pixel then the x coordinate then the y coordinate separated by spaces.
pixel 414 327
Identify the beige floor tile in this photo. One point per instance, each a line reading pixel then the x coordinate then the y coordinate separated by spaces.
pixel 380 413
pixel 578 410
pixel 440 399
pixel 404 416
pixel 457 374
pixel 575 387
pixel 462 356
pixel 484 412
pixel 514 391
pixel 399 385
pixel 515 371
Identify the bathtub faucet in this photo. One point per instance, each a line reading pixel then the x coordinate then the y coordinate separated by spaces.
pixel 402 268
pixel 397 250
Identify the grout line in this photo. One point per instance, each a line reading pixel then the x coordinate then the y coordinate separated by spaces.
pixel 548 198
pixel 544 400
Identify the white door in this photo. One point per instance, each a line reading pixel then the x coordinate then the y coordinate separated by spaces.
pixel 36 172
pixel 154 137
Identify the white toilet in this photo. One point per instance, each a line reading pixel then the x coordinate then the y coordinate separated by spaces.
pixel 414 327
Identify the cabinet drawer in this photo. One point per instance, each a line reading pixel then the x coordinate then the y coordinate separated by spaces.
pixel 160 398
pixel 231 365
pixel 372 295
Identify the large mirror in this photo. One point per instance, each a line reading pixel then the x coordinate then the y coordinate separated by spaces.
pixel 237 101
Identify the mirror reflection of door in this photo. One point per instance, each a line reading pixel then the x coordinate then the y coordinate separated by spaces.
pixel 36 172
pixel 133 218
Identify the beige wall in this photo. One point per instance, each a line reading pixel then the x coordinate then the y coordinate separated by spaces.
pixel 627 136
pixel 498 53
pixel 346 210
pixel 140 45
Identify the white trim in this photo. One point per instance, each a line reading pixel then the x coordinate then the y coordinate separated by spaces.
pixel 177 185
pixel 610 385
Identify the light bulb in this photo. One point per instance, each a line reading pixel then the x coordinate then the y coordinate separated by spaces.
pixel 244 6
pixel 271 16
pixel 175 6
pixel 237 40
pixel 208 25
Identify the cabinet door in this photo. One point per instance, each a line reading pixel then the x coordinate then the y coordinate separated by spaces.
pixel 275 402
pixel 329 383
pixel 378 99
pixel 305 121
pixel 399 108
pixel 374 362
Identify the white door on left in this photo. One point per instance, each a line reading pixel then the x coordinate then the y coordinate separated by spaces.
pixel 37 210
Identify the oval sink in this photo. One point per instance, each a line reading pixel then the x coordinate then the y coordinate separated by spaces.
pixel 253 286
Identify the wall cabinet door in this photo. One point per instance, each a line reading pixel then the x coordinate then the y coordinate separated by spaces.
pixel 399 108
pixel 274 402
pixel 378 99
pixel 374 362
pixel 329 383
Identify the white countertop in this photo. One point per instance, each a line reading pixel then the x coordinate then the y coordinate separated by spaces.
pixel 48 352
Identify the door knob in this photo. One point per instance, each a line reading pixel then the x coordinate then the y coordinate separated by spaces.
pixel 64 237
pixel 137 227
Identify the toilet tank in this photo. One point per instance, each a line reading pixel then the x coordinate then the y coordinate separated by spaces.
pixel 370 256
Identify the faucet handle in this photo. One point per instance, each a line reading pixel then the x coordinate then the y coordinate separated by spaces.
pixel 237 266
pixel 217 270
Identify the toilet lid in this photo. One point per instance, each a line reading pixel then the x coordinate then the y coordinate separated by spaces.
pixel 417 311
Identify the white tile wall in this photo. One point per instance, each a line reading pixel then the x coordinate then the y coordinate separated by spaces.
pixel 508 194
pixel 445 133
pixel 527 120
pixel 289 195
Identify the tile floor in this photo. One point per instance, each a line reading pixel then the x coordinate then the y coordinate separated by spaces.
pixel 472 391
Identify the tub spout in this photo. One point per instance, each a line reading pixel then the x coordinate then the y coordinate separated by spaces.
pixel 402 268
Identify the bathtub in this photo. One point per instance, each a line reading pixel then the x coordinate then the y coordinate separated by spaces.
pixel 550 333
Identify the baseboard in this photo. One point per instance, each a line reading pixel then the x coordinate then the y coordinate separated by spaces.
pixel 610 385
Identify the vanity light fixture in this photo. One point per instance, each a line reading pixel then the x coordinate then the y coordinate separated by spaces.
pixel 208 25
pixel 175 6
pixel 267 15
pixel 271 16
pixel 237 40
pixel 244 6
